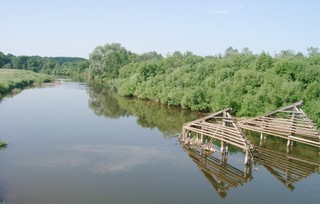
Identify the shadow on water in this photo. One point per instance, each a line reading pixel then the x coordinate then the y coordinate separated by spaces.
pixel 169 120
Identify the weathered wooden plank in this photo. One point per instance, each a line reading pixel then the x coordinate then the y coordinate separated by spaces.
pixel 230 139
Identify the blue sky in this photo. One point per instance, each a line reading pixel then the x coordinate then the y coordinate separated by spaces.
pixel 204 27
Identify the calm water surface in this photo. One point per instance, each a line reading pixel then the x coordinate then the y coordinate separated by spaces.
pixel 74 143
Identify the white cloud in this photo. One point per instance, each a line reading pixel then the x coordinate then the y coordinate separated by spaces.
pixel 222 10
pixel 226 8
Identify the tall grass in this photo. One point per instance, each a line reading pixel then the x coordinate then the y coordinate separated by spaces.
pixel 17 79
pixel 3 144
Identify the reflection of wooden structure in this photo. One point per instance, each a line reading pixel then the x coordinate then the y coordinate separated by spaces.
pixel 289 122
pixel 217 126
pixel 221 175
pixel 285 167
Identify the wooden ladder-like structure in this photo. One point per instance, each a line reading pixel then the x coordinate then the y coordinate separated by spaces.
pixel 217 126
pixel 289 122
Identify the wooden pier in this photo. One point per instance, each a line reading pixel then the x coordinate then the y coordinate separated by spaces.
pixel 217 126
pixel 289 123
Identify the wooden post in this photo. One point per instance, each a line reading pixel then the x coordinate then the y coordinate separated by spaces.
pixel 202 134
pixel 247 157
pixel 293 126
pixel 222 147
pixel 247 171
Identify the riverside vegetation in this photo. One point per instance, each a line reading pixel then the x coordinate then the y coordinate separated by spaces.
pixel 252 84
pixel 11 79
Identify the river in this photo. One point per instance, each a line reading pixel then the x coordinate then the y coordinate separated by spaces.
pixel 79 143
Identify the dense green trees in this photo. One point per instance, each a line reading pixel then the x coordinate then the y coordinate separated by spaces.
pixel 251 84
pixel 50 65
pixel 105 61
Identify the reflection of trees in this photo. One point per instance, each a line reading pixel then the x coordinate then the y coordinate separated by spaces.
pixel 106 102
pixel 219 173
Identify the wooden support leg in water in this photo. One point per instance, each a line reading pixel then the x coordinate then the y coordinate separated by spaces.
pixel 293 127
pixel 222 149
pixel 262 135
pixel 247 157
pixel 247 171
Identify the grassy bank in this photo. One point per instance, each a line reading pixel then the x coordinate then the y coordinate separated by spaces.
pixel 2 144
pixel 11 79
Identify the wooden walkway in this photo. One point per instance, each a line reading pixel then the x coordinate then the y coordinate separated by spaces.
pixel 217 126
pixel 289 122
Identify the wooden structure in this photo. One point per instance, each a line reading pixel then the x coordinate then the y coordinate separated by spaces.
pixel 217 126
pixel 289 122
pixel 288 169
pixel 220 174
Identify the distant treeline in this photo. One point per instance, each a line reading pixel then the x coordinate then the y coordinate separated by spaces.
pixel 50 65
pixel 252 84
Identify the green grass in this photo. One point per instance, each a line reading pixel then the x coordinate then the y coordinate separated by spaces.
pixel 11 79
pixel 3 144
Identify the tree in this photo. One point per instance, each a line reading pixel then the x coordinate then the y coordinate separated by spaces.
pixel 264 62
pixel 230 52
pixel 312 51
pixel 3 59
pixel 105 61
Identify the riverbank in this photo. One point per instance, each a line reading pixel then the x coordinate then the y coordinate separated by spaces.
pixel 13 80
pixel 2 144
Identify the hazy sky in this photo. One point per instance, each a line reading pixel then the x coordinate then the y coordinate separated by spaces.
pixel 204 27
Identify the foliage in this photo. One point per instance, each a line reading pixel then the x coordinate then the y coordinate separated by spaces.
pixel 252 84
pixel 3 144
pixel 49 65
pixel 105 61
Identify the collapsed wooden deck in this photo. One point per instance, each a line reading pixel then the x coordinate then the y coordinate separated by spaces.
pixel 289 123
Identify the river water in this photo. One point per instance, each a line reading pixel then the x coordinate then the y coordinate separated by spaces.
pixel 78 143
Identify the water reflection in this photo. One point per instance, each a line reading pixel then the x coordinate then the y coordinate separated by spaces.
pixel 219 173
pixel 106 102
pixel 287 168
pixel 101 159
pixel 287 165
